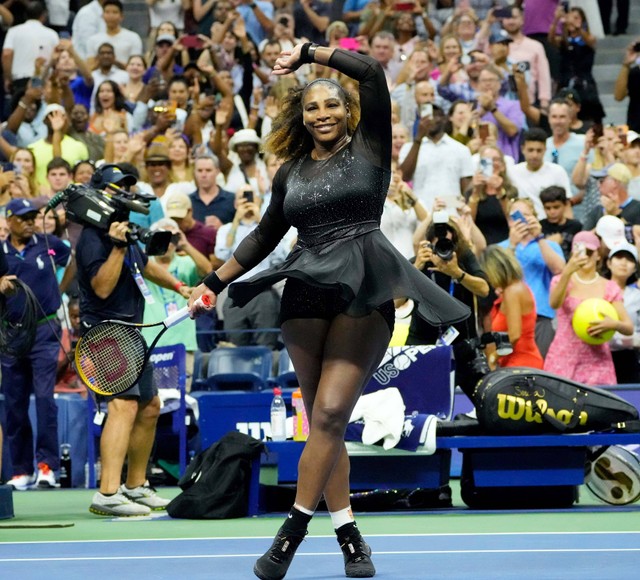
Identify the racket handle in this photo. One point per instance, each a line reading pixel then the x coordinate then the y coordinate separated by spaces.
pixel 184 313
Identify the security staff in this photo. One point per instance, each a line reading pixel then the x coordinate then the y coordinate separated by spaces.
pixel 28 257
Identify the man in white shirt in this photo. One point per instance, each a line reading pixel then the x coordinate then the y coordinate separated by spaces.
pixel 531 51
pixel 438 165
pixel 535 174
pixel 125 42
pixel 24 45
pixel 87 23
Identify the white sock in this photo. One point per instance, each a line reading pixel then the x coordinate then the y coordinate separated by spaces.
pixel 303 510
pixel 342 517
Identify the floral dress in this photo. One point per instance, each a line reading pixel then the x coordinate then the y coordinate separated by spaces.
pixel 574 359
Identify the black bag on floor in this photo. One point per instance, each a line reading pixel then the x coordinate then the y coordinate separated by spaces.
pixel 520 400
pixel 216 483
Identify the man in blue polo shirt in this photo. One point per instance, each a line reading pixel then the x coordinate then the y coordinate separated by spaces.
pixel 212 205
pixel 29 257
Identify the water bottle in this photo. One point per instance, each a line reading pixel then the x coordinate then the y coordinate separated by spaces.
pixel 300 422
pixel 65 465
pixel 278 416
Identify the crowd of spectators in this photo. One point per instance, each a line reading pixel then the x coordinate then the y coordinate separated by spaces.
pixel 497 123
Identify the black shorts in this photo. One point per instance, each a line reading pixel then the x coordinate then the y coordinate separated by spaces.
pixel 302 300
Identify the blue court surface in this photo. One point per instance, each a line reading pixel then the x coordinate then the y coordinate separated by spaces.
pixel 535 555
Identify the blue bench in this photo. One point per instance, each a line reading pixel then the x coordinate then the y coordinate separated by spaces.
pixel 495 461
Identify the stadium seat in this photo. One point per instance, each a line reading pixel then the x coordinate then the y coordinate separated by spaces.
pixel 245 368
pixel 286 377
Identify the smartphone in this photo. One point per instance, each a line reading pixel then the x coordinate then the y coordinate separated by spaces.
pixel 483 131
pixel 426 110
pixel 523 66
pixel 191 41
pixel 518 216
pixel 350 44
pixel 465 59
pixel 248 195
pixel 17 167
pixel 636 47
pixel 598 131
pixel 404 6
pixel 502 13
pixel 175 239
pixel 565 5
pixel 486 166
pixel 36 83
pixel 579 249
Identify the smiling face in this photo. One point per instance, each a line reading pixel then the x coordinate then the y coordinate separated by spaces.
pixel 451 49
pixel 325 114
pixel 135 68
pixel 622 265
pixel 25 160
pixel 178 151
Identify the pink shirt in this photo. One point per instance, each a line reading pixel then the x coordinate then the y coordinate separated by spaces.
pixel 533 51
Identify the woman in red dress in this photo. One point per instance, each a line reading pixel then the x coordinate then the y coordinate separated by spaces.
pixel 514 311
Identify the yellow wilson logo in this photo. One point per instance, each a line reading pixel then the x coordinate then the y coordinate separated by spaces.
pixel 515 408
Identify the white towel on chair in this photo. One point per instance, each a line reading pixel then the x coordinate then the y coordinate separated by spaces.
pixel 383 415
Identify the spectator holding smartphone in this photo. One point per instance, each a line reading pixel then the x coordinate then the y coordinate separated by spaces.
pixel 540 260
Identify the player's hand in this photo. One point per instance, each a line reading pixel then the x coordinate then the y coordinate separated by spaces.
pixel 197 308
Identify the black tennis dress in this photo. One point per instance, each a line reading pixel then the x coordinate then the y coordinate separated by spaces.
pixel 336 205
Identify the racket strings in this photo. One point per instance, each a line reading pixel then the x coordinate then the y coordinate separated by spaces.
pixel 110 358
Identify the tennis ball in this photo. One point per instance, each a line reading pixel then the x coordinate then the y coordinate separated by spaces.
pixel 588 312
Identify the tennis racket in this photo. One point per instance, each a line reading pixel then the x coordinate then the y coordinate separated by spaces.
pixel 110 358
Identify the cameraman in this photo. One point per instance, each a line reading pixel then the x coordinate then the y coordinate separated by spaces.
pixel 446 257
pixel 111 272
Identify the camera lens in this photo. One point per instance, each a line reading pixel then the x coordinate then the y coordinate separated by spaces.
pixel 444 249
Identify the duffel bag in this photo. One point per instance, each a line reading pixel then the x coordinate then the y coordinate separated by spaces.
pixel 528 401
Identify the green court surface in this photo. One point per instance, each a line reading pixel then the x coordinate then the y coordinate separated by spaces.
pixel 67 510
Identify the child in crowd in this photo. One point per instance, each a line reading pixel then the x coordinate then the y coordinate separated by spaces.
pixel 556 226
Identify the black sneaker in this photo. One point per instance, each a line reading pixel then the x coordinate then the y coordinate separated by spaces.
pixel 275 563
pixel 357 555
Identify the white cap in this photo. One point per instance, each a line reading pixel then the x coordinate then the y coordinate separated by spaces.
pixel 611 230
pixel 624 247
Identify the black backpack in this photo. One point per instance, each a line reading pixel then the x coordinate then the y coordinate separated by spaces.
pixel 216 483
pixel 521 400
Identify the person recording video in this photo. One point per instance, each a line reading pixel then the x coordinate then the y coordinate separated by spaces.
pixel 446 257
pixel 111 275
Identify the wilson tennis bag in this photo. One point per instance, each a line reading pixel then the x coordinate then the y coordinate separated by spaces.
pixel 520 400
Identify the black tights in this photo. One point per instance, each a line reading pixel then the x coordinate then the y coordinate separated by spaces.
pixel 334 360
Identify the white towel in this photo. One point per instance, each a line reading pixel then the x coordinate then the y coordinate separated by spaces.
pixel 383 415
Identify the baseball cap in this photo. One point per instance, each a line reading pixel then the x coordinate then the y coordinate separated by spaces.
pixel 177 205
pixel 19 206
pixel 569 95
pixel 624 247
pixel 611 230
pixel 111 174
pixel 620 172
pixel 500 36
pixel 52 107
pixel 588 239
pixel 166 38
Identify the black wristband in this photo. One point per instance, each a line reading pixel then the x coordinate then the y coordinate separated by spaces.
pixel 118 243
pixel 214 283
pixel 307 53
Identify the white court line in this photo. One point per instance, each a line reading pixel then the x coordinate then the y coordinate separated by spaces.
pixel 433 535
pixel 389 553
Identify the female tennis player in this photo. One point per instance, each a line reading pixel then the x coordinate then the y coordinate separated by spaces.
pixel 337 311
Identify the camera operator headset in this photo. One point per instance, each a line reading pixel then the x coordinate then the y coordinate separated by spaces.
pixel 446 257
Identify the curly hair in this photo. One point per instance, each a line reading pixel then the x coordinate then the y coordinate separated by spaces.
pixel 289 137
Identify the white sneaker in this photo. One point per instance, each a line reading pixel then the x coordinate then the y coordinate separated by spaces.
pixel 22 482
pixel 116 505
pixel 145 495
pixel 46 478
